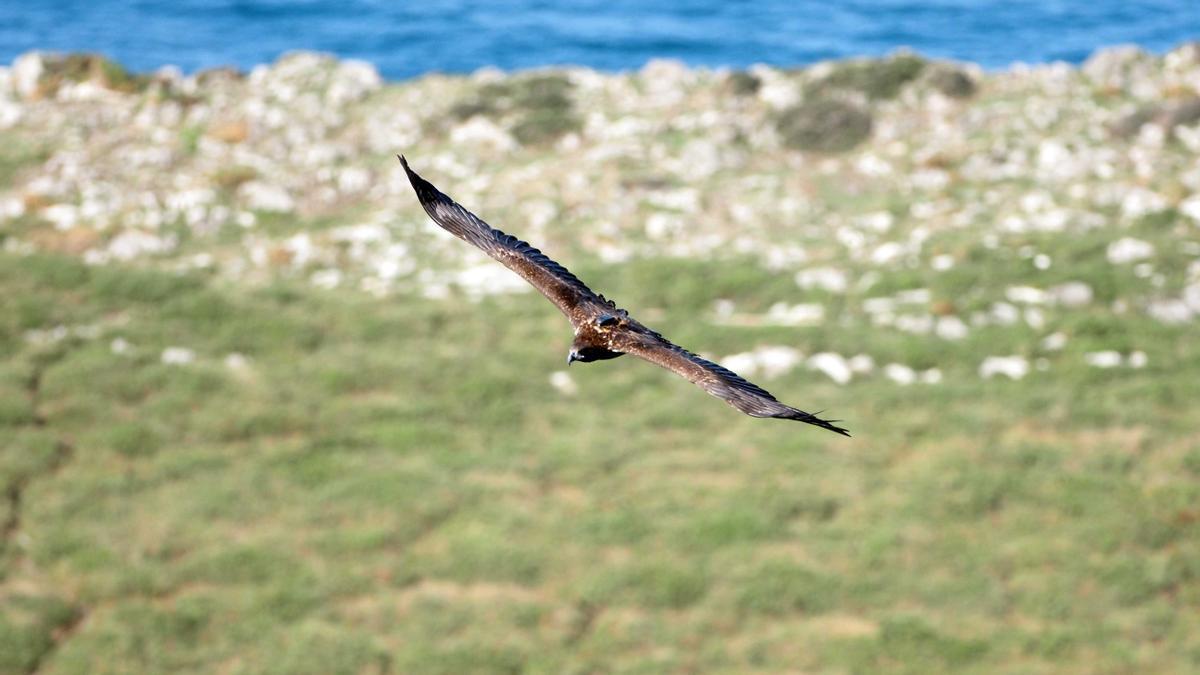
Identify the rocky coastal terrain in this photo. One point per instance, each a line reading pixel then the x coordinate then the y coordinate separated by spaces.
pixel 841 173
pixel 259 415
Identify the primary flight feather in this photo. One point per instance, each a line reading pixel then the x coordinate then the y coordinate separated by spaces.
pixel 602 330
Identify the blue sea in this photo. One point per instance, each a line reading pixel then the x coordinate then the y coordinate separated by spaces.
pixel 406 39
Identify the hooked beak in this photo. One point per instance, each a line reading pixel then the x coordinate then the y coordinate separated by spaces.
pixel 571 358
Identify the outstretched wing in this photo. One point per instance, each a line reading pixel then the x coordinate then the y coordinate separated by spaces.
pixel 719 381
pixel 564 289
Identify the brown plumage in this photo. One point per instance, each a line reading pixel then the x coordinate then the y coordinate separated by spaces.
pixel 602 330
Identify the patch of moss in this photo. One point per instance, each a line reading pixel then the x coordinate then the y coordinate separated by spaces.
pixel 84 67
pixel 1184 113
pixel 951 81
pixel 824 125
pixel 538 108
pixel 232 177
pixel 221 73
pixel 878 79
pixel 742 83
pixel 544 126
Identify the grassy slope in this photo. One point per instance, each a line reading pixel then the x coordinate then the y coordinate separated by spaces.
pixel 393 486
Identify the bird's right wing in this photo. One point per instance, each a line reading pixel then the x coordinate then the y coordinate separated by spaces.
pixel 718 380
pixel 564 289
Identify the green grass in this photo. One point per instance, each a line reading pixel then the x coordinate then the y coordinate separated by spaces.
pixel 393 486
pixel 17 154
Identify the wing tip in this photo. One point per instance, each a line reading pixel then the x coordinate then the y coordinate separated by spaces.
pixel 425 190
pixel 809 418
pixel 407 169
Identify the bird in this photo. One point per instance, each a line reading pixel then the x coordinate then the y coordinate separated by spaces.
pixel 603 331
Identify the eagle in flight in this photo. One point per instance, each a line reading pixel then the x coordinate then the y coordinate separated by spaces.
pixel 602 330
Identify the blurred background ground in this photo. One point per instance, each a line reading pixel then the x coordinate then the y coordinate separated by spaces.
pixel 260 415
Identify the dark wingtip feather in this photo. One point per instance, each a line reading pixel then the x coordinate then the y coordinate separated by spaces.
pixel 425 190
pixel 801 416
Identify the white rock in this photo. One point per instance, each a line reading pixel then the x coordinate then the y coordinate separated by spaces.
pixel 131 244
pixel 831 364
pixel 1035 318
pixel 686 200
pixel 480 130
pixel 327 279
pixel 915 296
pixel 744 364
pixel 47 336
pixel 878 306
pixel 1191 295
pixel 825 278
pixel 887 252
pixel 1054 341
pixel 120 346
pixel 178 356
pixel 783 257
pixel 561 380
pixel 700 159
pixel 63 216
pixel 770 361
pixel 352 80
pixel 1012 367
pixel 879 221
pixel 182 200
pixel 779 92
pixel 781 314
pixel 919 324
pixel 490 279
pixel 900 374
pixel 1025 294
pixel 1041 261
pixel 1170 311
pixel 1072 294
pixel 302 249
pixel 236 361
pixel 11 207
pixel 951 328
pixel 929 179
pixel 660 225
pixel 1190 207
pixel 1128 249
pixel 776 361
pixel 1104 359
pixel 931 376
pixel 1140 201
pixel 872 166
pixel 724 308
pixel 10 113
pixel 1004 313
pixel 1138 359
pixel 266 197
pixel 941 263
pixel 861 364
pixel 27 69
pixel 353 179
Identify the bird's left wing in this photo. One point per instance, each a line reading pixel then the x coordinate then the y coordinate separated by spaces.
pixel 554 281
pixel 717 380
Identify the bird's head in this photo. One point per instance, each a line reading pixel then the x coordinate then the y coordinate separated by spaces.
pixel 588 354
